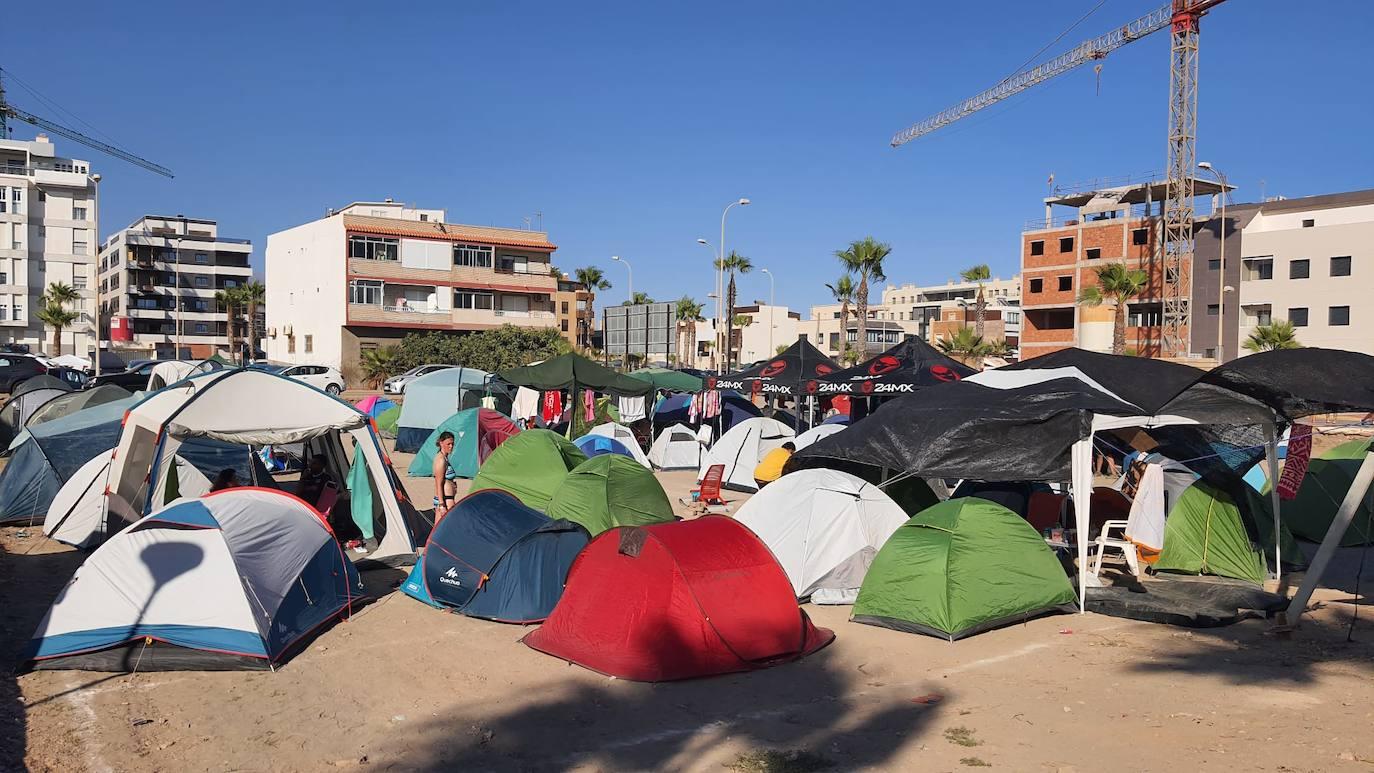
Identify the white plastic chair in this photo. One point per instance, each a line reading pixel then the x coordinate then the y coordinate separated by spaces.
pixel 1105 541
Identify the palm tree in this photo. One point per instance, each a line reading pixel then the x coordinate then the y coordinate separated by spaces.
pixel 688 315
pixel 965 345
pixel 555 271
pixel 1117 284
pixel 1278 334
pixel 638 299
pixel 865 259
pixel 734 263
pixel 979 273
pixel 591 278
pixel 229 299
pixel 254 293
pixel 998 348
pixel 55 312
pixel 379 364
pixel 843 290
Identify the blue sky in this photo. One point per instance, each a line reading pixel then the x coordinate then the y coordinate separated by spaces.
pixel 630 125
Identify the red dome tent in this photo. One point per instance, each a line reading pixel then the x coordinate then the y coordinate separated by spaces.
pixel 676 601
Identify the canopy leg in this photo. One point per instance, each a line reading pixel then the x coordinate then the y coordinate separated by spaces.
pixel 1271 454
pixel 1359 489
pixel 1081 488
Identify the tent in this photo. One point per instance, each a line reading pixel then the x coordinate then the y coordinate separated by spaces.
pixel 734 407
pixel 374 405
pixel 476 433
pixel 626 438
pixel 677 601
pixel 742 448
pixel 573 372
pixel 494 558
pixel 610 490
pixel 960 568
pixel 906 367
pixel 251 407
pixel 82 516
pixel 1204 533
pixel 530 465
pixel 1328 480
pixel 234 580
pixel 816 433
pixel 668 379
pixel 170 372
pixel 436 396
pixel 824 527
pixel 794 372
pixel 70 402
pixel 386 421
pixel 676 448
pixel 26 400
pixel 596 445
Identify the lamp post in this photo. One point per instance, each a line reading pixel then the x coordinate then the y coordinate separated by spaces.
pixel 1221 264
pixel 631 272
pixel 770 309
pixel 716 334
pixel 720 275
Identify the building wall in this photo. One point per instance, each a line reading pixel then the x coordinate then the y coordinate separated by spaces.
pixel 1208 281
pixel 769 328
pixel 307 293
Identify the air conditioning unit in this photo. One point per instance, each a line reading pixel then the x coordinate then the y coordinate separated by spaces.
pixel 286 330
pixel 271 332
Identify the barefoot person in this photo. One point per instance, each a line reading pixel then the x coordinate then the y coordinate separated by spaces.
pixel 445 489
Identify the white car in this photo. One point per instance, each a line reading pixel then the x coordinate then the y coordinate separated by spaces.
pixel 396 385
pixel 319 376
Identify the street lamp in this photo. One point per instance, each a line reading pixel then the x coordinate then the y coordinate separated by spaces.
pixel 629 271
pixel 710 295
pixel 720 274
pixel 1221 264
pixel 770 310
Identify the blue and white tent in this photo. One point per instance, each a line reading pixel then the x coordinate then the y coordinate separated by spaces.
pixel 234 580
pixel 596 445
pixel 436 396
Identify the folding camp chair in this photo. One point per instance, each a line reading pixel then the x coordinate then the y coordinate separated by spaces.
pixel 328 497
pixel 708 493
pixel 1106 541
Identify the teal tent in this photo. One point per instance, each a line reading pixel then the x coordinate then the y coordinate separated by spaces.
pixel 476 433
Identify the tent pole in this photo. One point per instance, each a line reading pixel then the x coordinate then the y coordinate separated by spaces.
pixel 1271 454
pixel 1081 488
pixel 1359 489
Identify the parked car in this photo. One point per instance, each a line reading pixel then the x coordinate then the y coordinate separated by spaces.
pixel 132 379
pixel 319 376
pixel 396 385
pixel 15 369
pixel 74 378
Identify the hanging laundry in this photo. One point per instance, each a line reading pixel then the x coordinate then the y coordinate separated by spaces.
pixel 553 407
pixel 631 409
pixel 526 403
pixel 588 406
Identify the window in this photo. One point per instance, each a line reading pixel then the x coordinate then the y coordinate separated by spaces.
pixel 1037 247
pixel 834 341
pixel 424 218
pixel 1065 283
pixel 365 291
pixel 1338 316
pixel 1094 253
pixel 1140 236
pixel 230 283
pixel 1259 315
pixel 202 258
pixel 472 255
pixel 1210 352
pixel 563 324
pixel 1258 268
pixel 309 343
pixel 42 195
pixel 4 278
pixel 202 327
pixel 1340 266
pixel 1037 285
pixel 1214 264
pixel 3 204
pixel 290 344
pixel 1213 309
pixel 1309 223
pixel 1055 319
pixel 1066 244
pixel 565 307
pixel 1298 317
pixel 515 264
pixel 17 194
pixel 373 248
pixel 78 282
pixel 202 281
pixel 78 213
pixel 1299 269
pixel 466 299
pixel 1145 315
pixel 80 247
pixel 4 313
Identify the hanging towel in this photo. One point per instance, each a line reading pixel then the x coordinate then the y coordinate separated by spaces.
pixel 588 406
pixel 553 407
pixel 631 409
pixel 526 404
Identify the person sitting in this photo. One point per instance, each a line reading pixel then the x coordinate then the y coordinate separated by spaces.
pixel 770 469
pixel 445 477
pixel 227 478
pixel 313 481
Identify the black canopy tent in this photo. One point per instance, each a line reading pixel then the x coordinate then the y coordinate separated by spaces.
pixel 793 373
pixel 909 365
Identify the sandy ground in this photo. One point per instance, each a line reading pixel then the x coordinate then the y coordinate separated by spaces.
pixel 405 687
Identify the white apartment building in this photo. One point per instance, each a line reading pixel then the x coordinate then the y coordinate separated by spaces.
pixel 49 227
pixel 1310 261
pixel 365 275
pixel 139 292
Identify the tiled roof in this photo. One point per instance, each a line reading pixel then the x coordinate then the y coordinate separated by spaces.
pixel 504 237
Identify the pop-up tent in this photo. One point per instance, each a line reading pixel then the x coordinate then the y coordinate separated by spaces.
pixel 624 436
pixel 386 421
pixel 477 432
pixel 70 402
pixel 82 516
pixel 816 433
pixel 374 405
pixel 170 372
pixel 494 558
pixel 597 445
pixel 530 465
pixel 1328 479
pixel 677 601
pixel 252 407
pixel 610 490
pixel 574 372
pixel 436 396
pixel 906 367
pixel 28 398
pixel 824 527
pixel 234 580
pixel 734 408
pixel 960 568
pixel 676 448
pixel 742 448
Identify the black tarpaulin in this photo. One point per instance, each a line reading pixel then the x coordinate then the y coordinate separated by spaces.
pixel 1144 382
pixel 909 365
pixel 1301 382
pixel 794 372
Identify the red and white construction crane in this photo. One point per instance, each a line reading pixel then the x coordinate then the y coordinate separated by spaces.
pixel 1181 17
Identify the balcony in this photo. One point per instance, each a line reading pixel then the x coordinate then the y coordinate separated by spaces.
pixel 410 316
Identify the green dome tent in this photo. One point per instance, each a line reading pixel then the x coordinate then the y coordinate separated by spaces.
pixel 530 465
pixel 1328 478
pixel 386 421
pixel 1204 533
pixel 962 567
pixel 610 490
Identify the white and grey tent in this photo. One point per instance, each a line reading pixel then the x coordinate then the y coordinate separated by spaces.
pixel 742 448
pixel 676 448
pixel 624 436
pixel 824 527
pixel 170 372
pixel 816 433
pixel 82 516
pixel 236 579
pixel 27 398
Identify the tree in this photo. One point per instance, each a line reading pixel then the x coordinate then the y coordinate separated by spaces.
pixel 1278 334
pixel 864 258
pixel 254 293
pixel 379 364
pixel 734 263
pixel 998 348
pixel 555 271
pixel 639 299
pixel 504 347
pixel 843 290
pixel 965 345
pixel 688 315
pixel 55 312
pixel 780 348
pixel 1117 284
pixel 979 273
pixel 229 300
pixel 591 278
